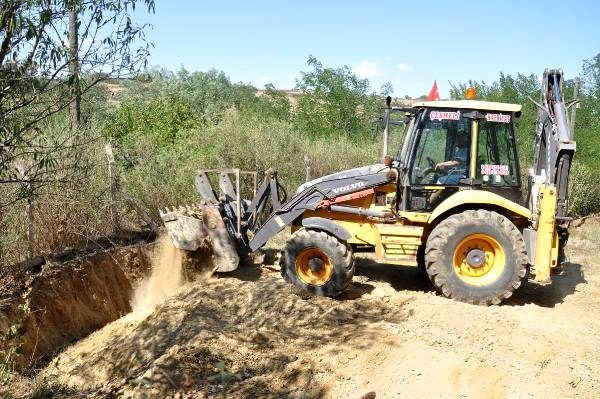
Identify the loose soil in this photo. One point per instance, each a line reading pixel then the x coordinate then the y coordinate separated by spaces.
pixel 249 334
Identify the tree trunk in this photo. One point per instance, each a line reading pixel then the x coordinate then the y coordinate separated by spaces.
pixel 30 223
pixel 75 105
pixel 112 176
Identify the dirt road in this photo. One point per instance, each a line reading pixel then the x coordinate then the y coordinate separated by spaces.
pixel 252 335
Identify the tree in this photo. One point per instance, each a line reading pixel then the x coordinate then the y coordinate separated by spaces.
pixel 587 128
pixel 591 76
pixel 277 103
pixel 334 100
pixel 387 89
pixel 51 53
pixel 75 106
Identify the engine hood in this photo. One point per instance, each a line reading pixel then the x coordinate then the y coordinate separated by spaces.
pixel 360 171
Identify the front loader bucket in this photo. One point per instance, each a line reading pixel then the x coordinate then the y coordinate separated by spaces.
pixel 223 219
pixel 185 227
pixel 190 227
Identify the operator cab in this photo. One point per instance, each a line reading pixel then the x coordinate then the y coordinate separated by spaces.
pixel 457 145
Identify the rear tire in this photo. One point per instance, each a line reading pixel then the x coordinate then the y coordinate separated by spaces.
pixel 477 256
pixel 317 262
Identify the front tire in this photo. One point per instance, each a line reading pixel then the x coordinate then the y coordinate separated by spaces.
pixel 317 262
pixel 477 256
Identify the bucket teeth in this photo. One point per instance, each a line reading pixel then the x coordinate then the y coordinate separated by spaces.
pixel 189 210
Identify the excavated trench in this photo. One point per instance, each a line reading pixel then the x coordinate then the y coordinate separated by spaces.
pixel 49 302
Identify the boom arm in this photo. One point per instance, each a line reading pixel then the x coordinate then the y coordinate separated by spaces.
pixel 554 144
pixel 549 178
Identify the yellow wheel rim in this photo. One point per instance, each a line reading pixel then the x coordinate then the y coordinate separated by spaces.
pixel 479 260
pixel 313 267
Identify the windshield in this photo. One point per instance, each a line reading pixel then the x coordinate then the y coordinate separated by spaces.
pixel 442 154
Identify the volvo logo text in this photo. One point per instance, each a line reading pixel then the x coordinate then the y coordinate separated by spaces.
pixel 349 187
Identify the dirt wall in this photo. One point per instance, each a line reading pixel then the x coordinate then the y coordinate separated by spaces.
pixel 65 301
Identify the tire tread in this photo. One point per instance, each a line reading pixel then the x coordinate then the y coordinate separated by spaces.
pixel 435 257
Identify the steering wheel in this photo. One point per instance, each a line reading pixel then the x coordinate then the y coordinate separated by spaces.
pixel 431 162
pixel 428 176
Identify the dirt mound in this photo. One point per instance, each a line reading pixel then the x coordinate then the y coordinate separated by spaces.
pixel 230 335
pixel 49 302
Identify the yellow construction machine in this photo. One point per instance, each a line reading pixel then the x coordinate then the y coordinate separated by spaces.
pixel 450 202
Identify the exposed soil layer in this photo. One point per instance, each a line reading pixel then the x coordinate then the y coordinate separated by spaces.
pixel 52 303
pixel 15 277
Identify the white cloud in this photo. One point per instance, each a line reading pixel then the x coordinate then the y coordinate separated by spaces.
pixel 367 69
pixel 264 80
pixel 402 67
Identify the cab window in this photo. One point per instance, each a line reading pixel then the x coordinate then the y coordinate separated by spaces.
pixel 443 151
pixel 496 155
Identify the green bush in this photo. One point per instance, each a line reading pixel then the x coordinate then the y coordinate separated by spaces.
pixel 163 175
pixel 161 120
pixel 584 195
pixel 209 95
pixel 334 101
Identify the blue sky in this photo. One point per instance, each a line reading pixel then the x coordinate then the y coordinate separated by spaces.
pixel 407 43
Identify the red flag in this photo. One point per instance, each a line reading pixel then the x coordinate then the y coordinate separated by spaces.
pixel 434 94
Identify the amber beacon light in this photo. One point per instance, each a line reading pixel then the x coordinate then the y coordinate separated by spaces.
pixel 470 94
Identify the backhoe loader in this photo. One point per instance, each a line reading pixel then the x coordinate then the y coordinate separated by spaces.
pixel 450 202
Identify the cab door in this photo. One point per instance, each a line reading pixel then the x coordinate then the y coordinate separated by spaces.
pixel 497 164
pixel 440 158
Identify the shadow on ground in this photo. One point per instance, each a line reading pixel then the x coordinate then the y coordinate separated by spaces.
pixel 406 278
pixel 401 278
pixel 552 294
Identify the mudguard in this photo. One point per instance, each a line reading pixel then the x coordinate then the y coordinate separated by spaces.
pixel 329 226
